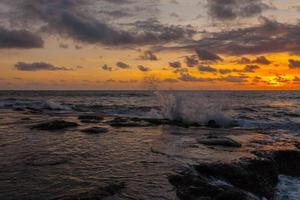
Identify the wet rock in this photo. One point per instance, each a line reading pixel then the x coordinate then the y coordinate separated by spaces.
pixel 95 193
pixel 258 176
pixel 234 194
pixel 287 162
pixel 191 186
pixel 19 109
pixel 212 124
pixel 90 118
pixel 54 125
pixel 126 122
pixel 219 141
pixel 95 130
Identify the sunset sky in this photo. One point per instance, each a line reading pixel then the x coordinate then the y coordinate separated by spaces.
pixel 124 44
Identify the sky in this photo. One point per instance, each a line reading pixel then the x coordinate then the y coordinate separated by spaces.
pixel 145 44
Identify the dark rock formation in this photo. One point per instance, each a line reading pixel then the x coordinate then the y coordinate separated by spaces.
pixel 258 176
pixel 54 125
pixel 127 122
pixel 95 193
pixel 219 141
pixel 90 118
pixel 95 130
pixel 213 124
pixel 287 162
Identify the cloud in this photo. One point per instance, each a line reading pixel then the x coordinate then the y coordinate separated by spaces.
pixel 294 64
pixel 149 55
pixel 207 56
pixel 232 9
pixel 63 46
pixel 225 71
pixel 296 80
pixel 268 37
pixel 234 79
pixel 107 68
pixel 189 78
pixel 170 80
pixel 122 65
pixel 259 60
pixel 38 66
pixel 191 61
pixel 19 39
pixel 175 64
pixel 78 20
pixel 143 68
pixel 207 69
pixel 250 68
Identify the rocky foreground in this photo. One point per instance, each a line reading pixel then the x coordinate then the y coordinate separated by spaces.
pixel 244 178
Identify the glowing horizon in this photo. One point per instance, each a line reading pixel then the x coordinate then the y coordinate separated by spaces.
pixel 194 45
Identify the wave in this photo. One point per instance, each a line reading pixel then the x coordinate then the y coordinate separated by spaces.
pixel 32 104
pixel 192 108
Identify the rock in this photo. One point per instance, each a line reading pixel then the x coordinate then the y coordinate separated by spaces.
pixel 90 118
pixel 287 162
pixel 54 125
pixel 212 124
pixel 98 193
pixel 233 194
pixel 95 130
pixel 126 122
pixel 258 176
pixel 220 141
pixel 190 187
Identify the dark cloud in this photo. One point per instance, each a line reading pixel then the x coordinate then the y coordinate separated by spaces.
pixel 191 61
pixel 170 80
pixel 268 37
pixel 75 19
pixel 119 1
pixel 189 78
pixel 107 68
pixel 176 64
pixel 234 79
pixel 173 14
pixel 122 65
pixel 294 64
pixel 259 60
pixel 19 39
pixel 207 69
pixel 38 66
pixel 63 46
pixel 244 60
pixel 225 71
pixel 207 56
pixel 143 68
pixel 149 55
pixel 296 80
pixel 180 70
pixel 262 60
pixel 232 9
pixel 250 68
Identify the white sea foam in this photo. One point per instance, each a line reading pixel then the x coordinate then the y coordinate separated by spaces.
pixel 288 188
pixel 193 108
pixel 32 104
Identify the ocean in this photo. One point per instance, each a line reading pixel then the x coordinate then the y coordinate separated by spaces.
pixel 133 152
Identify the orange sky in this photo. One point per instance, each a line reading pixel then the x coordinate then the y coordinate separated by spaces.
pixel 85 59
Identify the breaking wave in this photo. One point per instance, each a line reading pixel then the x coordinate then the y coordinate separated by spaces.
pixel 32 104
pixel 193 108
